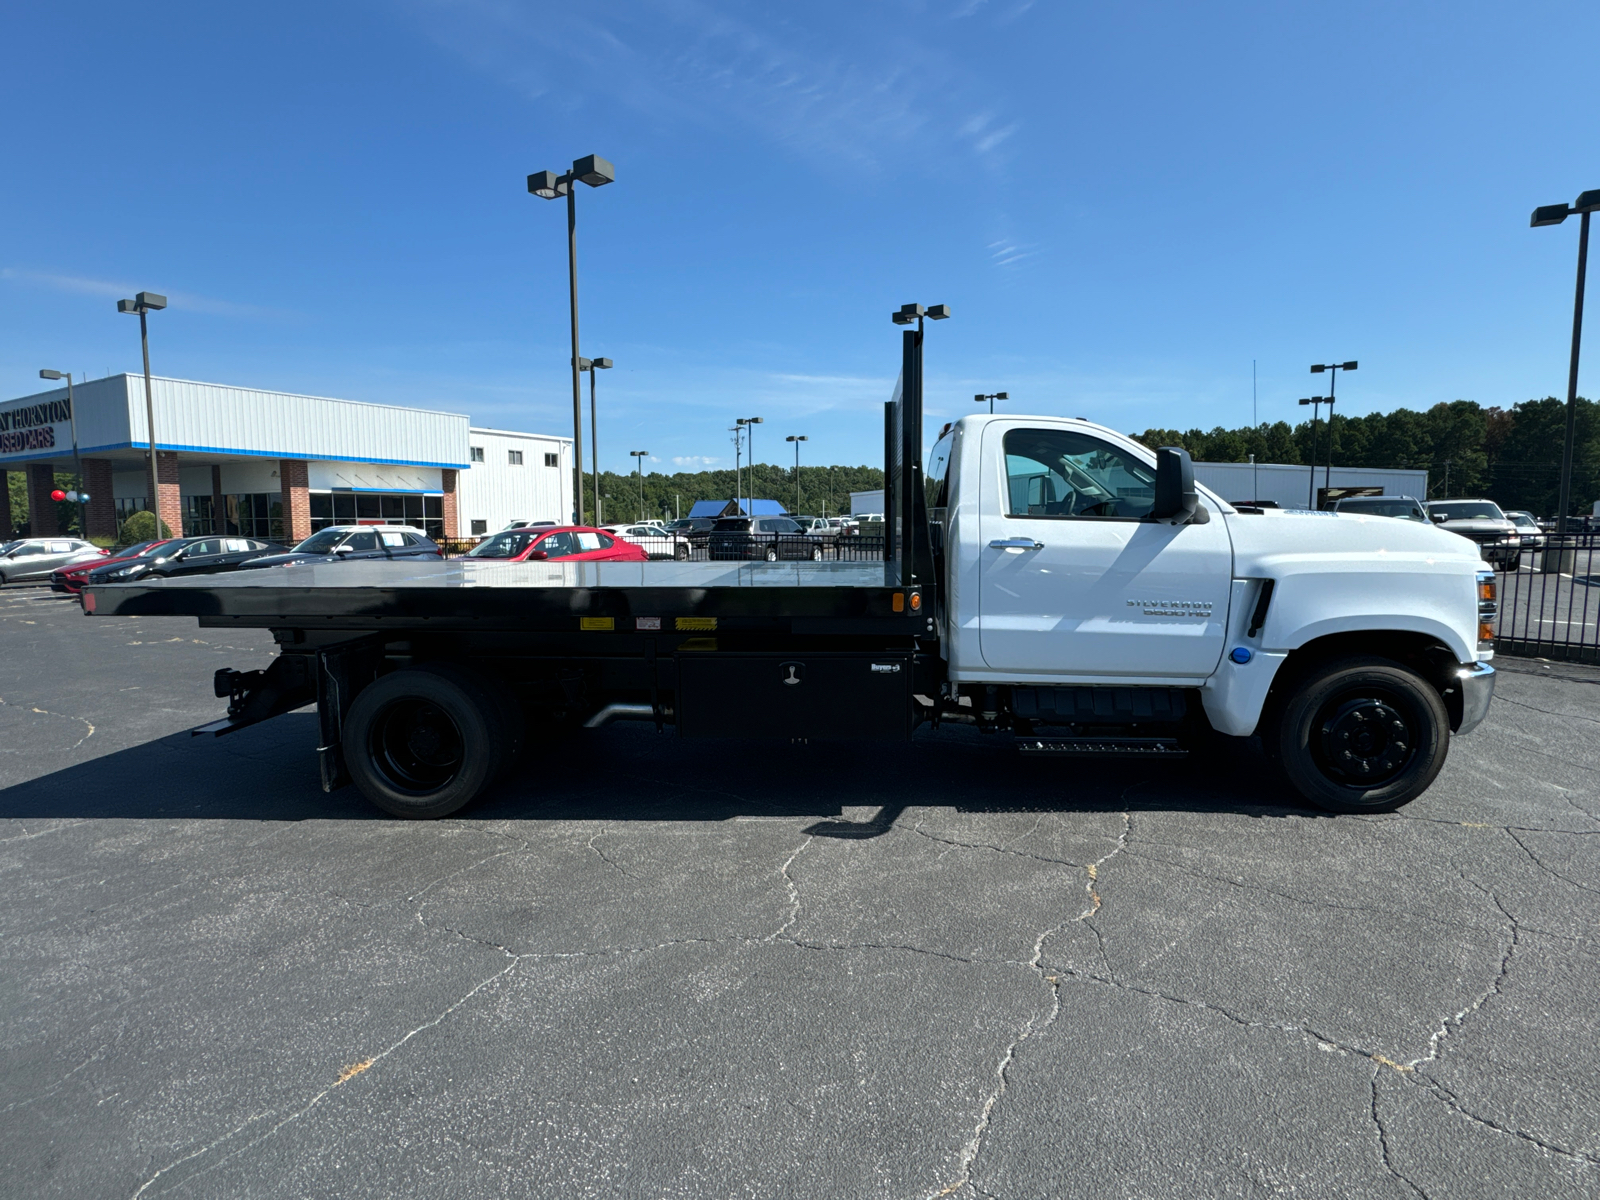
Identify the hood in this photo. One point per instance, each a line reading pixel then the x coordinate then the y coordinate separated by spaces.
pixel 1277 536
pixel 1481 525
pixel 288 558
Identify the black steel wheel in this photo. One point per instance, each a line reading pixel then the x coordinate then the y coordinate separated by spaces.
pixel 422 742
pixel 1363 735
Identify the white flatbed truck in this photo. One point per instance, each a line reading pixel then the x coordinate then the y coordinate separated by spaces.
pixel 1044 578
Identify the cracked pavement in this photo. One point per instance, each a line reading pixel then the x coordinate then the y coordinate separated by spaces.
pixel 643 967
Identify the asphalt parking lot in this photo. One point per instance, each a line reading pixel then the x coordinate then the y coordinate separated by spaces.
pixel 648 968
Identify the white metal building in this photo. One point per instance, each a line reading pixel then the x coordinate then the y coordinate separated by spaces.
pixel 514 477
pixel 1291 485
pixel 273 464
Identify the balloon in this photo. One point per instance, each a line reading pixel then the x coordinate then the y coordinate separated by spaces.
pixel 73 496
pixel 58 494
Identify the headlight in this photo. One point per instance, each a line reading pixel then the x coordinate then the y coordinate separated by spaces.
pixel 127 572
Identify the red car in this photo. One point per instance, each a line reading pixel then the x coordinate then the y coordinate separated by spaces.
pixel 70 579
pixel 580 543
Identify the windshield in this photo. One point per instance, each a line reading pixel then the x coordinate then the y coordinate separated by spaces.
pixel 1382 508
pixel 504 545
pixel 1466 510
pixel 1523 521
pixel 321 542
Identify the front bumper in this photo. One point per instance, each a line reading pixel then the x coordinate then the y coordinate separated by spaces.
pixel 1477 689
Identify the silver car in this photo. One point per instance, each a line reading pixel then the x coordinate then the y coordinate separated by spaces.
pixel 32 560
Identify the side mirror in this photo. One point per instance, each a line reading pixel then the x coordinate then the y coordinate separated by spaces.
pixel 344 549
pixel 1176 500
pixel 537 556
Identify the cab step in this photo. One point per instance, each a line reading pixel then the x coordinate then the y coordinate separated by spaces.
pixel 1114 747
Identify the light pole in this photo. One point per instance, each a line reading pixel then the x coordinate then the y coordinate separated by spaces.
pixel 1311 484
pixel 1554 214
pixel 991 398
pixel 1333 370
pixel 797 440
pixel 592 366
pixel 639 456
pixel 547 185
pixel 77 495
pixel 748 425
pixel 899 511
pixel 143 303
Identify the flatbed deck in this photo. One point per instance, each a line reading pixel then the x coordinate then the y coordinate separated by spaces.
pixel 665 597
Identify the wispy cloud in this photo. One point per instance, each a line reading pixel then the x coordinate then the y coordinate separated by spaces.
pixel 1008 253
pixel 183 301
pixel 694 462
pixel 864 94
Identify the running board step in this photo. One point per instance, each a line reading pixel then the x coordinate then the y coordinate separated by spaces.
pixel 1116 747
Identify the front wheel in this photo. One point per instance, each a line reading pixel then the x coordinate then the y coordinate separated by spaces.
pixel 1362 735
pixel 681 553
pixel 1514 563
pixel 816 554
pixel 772 554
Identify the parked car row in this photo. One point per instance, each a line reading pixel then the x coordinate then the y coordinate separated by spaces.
pixel 30 560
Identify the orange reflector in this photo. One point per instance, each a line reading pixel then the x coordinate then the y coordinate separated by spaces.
pixel 1485 631
pixel 916 601
pixel 899 602
pixel 1485 589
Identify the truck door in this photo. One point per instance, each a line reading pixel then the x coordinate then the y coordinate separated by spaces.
pixel 1075 580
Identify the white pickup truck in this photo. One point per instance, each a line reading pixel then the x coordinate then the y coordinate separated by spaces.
pixel 1045 579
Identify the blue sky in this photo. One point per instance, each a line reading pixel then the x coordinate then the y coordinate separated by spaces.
pixel 1123 204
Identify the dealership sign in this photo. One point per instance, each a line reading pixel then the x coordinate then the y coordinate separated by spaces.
pixel 33 426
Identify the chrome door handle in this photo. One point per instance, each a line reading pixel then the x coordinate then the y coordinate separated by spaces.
pixel 1019 543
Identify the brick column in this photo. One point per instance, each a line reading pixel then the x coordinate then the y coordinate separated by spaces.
pixel 169 505
pixel 294 481
pixel 219 512
pixel 102 506
pixel 41 509
pixel 449 481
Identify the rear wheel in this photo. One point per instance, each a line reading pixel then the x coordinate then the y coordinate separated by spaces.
pixel 772 554
pixel 1362 735
pixel 816 554
pixel 681 553
pixel 422 742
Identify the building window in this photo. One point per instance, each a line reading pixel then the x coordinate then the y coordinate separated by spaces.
pixel 514 457
pixel 391 508
pixel 199 516
pixel 552 460
pixel 476 452
pixel 128 505
pixel 250 514
pixel 479 527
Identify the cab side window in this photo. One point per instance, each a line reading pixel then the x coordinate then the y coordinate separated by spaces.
pixel 558 545
pixel 362 541
pixel 1065 473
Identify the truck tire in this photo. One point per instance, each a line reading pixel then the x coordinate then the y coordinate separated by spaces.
pixel 681 553
pixel 422 742
pixel 1362 735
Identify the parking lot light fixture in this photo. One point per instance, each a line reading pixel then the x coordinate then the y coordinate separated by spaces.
pixel 78 495
pixel 1554 214
pixel 746 424
pixel 1332 370
pixel 797 439
pixel 547 185
pixel 639 457
pixel 593 366
pixel 143 304
pixel 991 397
pixel 1311 486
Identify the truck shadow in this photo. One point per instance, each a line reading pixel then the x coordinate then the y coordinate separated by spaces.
pixel 630 773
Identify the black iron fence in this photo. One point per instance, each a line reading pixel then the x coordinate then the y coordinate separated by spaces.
pixel 1550 603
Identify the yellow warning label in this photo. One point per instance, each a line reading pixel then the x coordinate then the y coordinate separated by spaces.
pixel 696 622
pixel 596 623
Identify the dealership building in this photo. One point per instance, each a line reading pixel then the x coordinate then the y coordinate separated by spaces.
pixel 272 464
